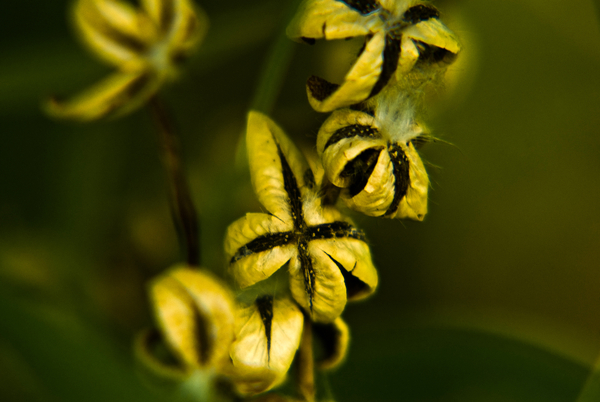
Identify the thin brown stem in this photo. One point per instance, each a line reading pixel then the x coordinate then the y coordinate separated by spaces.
pixel 306 363
pixel 182 207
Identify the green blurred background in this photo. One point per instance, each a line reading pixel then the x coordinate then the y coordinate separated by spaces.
pixel 494 297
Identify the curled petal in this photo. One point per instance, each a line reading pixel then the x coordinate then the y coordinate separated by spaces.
pixel 280 175
pixel 267 336
pixel 114 30
pixel 195 315
pixel 189 27
pixel 257 245
pixel 358 82
pixel 377 194
pixel 414 204
pixel 334 339
pixel 352 258
pixel 329 19
pixel 434 33
pixel 116 95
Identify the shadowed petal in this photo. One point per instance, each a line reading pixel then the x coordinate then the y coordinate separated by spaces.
pixel 334 338
pixel 114 30
pixel 118 94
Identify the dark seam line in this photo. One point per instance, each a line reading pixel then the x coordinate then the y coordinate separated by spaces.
pixel 391 55
pixel 307 270
pixel 352 130
pixel 401 177
pixel 264 243
pixel 334 230
pixel 362 6
pixel 123 39
pixel 419 13
pixel 293 191
pixel 264 305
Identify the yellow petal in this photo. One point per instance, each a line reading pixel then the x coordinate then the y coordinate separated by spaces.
pixel 273 159
pixel 357 84
pixel 330 19
pixel 189 26
pixel 378 193
pixel 335 339
pixel 318 284
pixel 414 203
pixel 194 312
pixel 114 30
pixel 267 336
pixel 116 95
pixel 433 32
pixel 256 247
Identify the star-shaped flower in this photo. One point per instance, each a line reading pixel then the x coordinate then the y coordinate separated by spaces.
pixel 144 45
pixel 399 33
pixel 329 260
pixel 373 158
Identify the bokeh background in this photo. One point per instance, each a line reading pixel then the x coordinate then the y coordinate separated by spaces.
pixel 494 297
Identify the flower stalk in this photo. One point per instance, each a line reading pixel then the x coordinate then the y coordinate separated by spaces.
pixel 306 363
pixel 183 211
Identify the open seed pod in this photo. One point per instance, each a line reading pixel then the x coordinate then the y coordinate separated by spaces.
pixel 194 313
pixel 398 35
pixel 374 160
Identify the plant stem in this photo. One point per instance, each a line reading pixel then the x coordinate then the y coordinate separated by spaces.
pixel 182 209
pixel 306 363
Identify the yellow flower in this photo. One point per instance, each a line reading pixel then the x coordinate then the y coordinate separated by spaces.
pixel 194 313
pixel 399 33
pixel 373 158
pixel 329 260
pixel 267 335
pixel 143 44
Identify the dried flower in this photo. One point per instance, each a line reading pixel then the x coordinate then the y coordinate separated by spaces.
pixel 373 158
pixel 399 33
pixel 329 260
pixel 143 44
pixel 194 313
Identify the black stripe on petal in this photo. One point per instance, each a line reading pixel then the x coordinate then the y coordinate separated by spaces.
pixel 360 169
pixel 362 6
pixel 334 230
pixel 319 88
pixel 391 55
pixel 263 243
pixel 352 130
pixel 307 270
pixel 166 15
pixel 421 12
pixel 113 34
pixel 354 286
pixel 290 184
pixel 433 54
pixel 203 340
pixel 264 304
pixel 401 176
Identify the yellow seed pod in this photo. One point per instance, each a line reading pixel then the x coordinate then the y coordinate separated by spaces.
pixel 373 158
pixel 267 336
pixel 398 33
pixel 144 44
pixel 329 259
pixel 194 313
